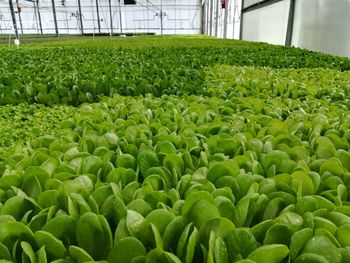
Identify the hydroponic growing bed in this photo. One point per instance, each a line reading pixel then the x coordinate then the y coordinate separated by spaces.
pixel 173 149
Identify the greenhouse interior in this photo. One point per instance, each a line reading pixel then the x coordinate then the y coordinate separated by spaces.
pixel 170 131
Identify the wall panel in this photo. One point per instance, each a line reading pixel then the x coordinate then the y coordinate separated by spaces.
pixel 267 24
pixel 323 25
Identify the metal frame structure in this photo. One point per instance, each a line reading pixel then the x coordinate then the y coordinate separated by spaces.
pixel 112 16
pixel 290 26
pixel 13 18
pixel 220 17
pixel 211 17
pixel 264 3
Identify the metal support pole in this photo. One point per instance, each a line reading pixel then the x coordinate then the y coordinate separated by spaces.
pixel 110 15
pixel 13 18
pixel 54 16
pixel 120 18
pixel 207 17
pixel 235 6
pixel 147 7
pixel 203 17
pixel 241 25
pixel 161 17
pixel 67 26
pixel 211 18
pixel 80 18
pixel 226 18
pixel 289 35
pixel 36 17
pixel 39 17
pixel 217 17
pixel 19 17
pixel 98 17
pixel 175 17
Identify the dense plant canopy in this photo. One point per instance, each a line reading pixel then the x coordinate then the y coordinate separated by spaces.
pixel 73 75
pixel 216 152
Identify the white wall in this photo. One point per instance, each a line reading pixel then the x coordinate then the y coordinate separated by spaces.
pixel 323 25
pixel 267 24
pixel 319 25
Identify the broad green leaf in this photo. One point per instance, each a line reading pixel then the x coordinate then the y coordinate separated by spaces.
pixel 82 185
pixel 126 161
pixel 338 219
pixel 41 255
pixel 345 252
pixel 47 198
pixel 344 157
pixel 155 181
pixel 16 206
pixel 324 148
pixel 126 249
pixel 244 210
pixel 157 237
pixel 298 240
pixel 173 231
pixel 260 229
pixel 273 158
pixel 311 258
pixel 220 226
pixel 4 252
pixel 183 241
pixel 324 203
pixel 12 231
pixel 123 175
pixel 307 184
pixel 220 251
pixel 192 199
pixel 79 254
pixel 160 218
pixel 225 206
pixel 10 180
pixel 292 220
pixel 165 147
pixel 220 169
pixel 147 160
pixel 269 254
pixel 28 250
pixel 53 246
pixel 240 241
pixel 198 217
pixel 171 257
pixel 322 246
pixel 140 206
pixel 121 231
pixel 321 222
pixel 278 234
pixel 92 237
pixel 343 235
pixel 306 203
pixel 134 222
pixel 174 163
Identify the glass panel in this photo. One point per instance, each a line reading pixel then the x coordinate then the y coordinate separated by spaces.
pixel 179 16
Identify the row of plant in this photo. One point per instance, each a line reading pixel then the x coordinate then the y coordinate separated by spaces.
pixel 231 81
pixel 190 179
pixel 245 164
pixel 22 123
pixel 73 75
